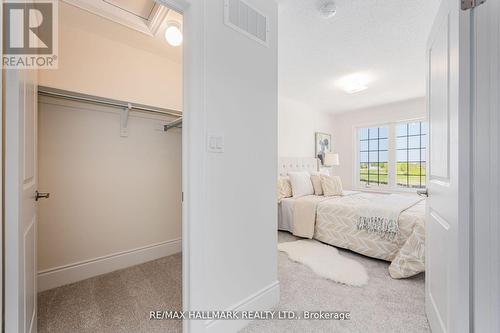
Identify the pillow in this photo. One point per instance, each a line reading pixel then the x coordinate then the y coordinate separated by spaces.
pixel 284 188
pixel 331 185
pixel 325 172
pixel 322 172
pixel 316 181
pixel 301 183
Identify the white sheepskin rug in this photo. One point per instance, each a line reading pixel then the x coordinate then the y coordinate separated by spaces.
pixel 326 261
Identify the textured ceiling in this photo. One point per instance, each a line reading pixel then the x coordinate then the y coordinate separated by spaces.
pixel 384 39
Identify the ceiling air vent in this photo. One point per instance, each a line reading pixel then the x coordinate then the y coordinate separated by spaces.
pixel 243 18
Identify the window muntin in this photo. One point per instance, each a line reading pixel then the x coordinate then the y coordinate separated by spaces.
pixel 411 152
pixel 374 155
pixel 393 155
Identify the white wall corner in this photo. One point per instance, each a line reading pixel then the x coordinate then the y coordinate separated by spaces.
pixel 265 299
pixel 217 99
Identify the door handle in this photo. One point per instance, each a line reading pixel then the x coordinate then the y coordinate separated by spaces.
pixel 423 193
pixel 40 195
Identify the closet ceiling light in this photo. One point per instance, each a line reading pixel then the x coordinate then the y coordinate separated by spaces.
pixel 173 34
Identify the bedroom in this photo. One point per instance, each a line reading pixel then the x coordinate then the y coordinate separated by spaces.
pixel 352 106
pixel 346 95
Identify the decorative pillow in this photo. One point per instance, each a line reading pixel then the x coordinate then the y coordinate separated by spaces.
pixel 284 188
pixel 301 183
pixel 316 181
pixel 331 185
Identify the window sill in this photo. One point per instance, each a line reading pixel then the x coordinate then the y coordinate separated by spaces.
pixel 386 190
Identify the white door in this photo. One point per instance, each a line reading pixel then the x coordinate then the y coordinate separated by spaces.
pixel 447 228
pixel 20 205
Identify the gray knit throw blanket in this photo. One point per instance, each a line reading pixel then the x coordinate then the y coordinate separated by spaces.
pixel 387 228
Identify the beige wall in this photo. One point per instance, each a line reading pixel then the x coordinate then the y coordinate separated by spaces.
pixel 344 124
pixel 109 194
pixel 298 124
pixel 100 57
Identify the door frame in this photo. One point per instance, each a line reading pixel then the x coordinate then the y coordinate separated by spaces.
pixel 192 125
pixel 193 98
pixel 2 115
pixel 485 210
pixel 460 61
pixel 480 200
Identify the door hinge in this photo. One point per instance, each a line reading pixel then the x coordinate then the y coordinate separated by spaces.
pixel 469 4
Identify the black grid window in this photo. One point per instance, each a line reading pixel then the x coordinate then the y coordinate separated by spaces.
pixel 374 155
pixel 411 152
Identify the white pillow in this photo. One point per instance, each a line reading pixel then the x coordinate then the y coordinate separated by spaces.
pixel 301 183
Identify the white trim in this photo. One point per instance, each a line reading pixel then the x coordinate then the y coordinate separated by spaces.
pixel 193 100
pixel 485 160
pixel 180 6
pixel 264 299
pixel 1 179
pixel 33 229
pixel 193 156
pixel 385 190
pixel 356 182
pixel 157 18
pixel 391 187
pixel 148 26
pixel 62 275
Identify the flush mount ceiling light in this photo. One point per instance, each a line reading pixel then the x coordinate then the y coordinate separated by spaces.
pixel 354 83
pixel 327 9
pixel 173 34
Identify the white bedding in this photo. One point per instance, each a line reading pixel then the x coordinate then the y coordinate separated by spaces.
pixel 285 214
pixel 337 224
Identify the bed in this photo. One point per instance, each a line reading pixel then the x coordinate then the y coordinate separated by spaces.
pixel 336 223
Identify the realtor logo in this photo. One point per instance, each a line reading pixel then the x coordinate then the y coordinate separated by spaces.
pixel 30 34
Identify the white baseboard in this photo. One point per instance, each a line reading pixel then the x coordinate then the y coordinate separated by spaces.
pixel 59 276
pixel 265 299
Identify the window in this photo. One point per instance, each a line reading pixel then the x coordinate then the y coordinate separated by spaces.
pixel 392 155
pixel 411 154
pixel 374 155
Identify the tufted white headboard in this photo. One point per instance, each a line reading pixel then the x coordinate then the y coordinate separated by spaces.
pixel 287 164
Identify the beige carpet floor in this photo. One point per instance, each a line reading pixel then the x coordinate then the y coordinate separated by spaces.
pixel 117 302
pixel 384 305
pixel 121 301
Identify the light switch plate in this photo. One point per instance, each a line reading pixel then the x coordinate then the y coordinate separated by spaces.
pixel 215 143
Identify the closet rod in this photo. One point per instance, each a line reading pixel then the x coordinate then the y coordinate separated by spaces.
pixel 53 92
pixel 174 124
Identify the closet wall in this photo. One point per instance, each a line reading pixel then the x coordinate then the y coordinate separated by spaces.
pixel 115 201
pixel 100 57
